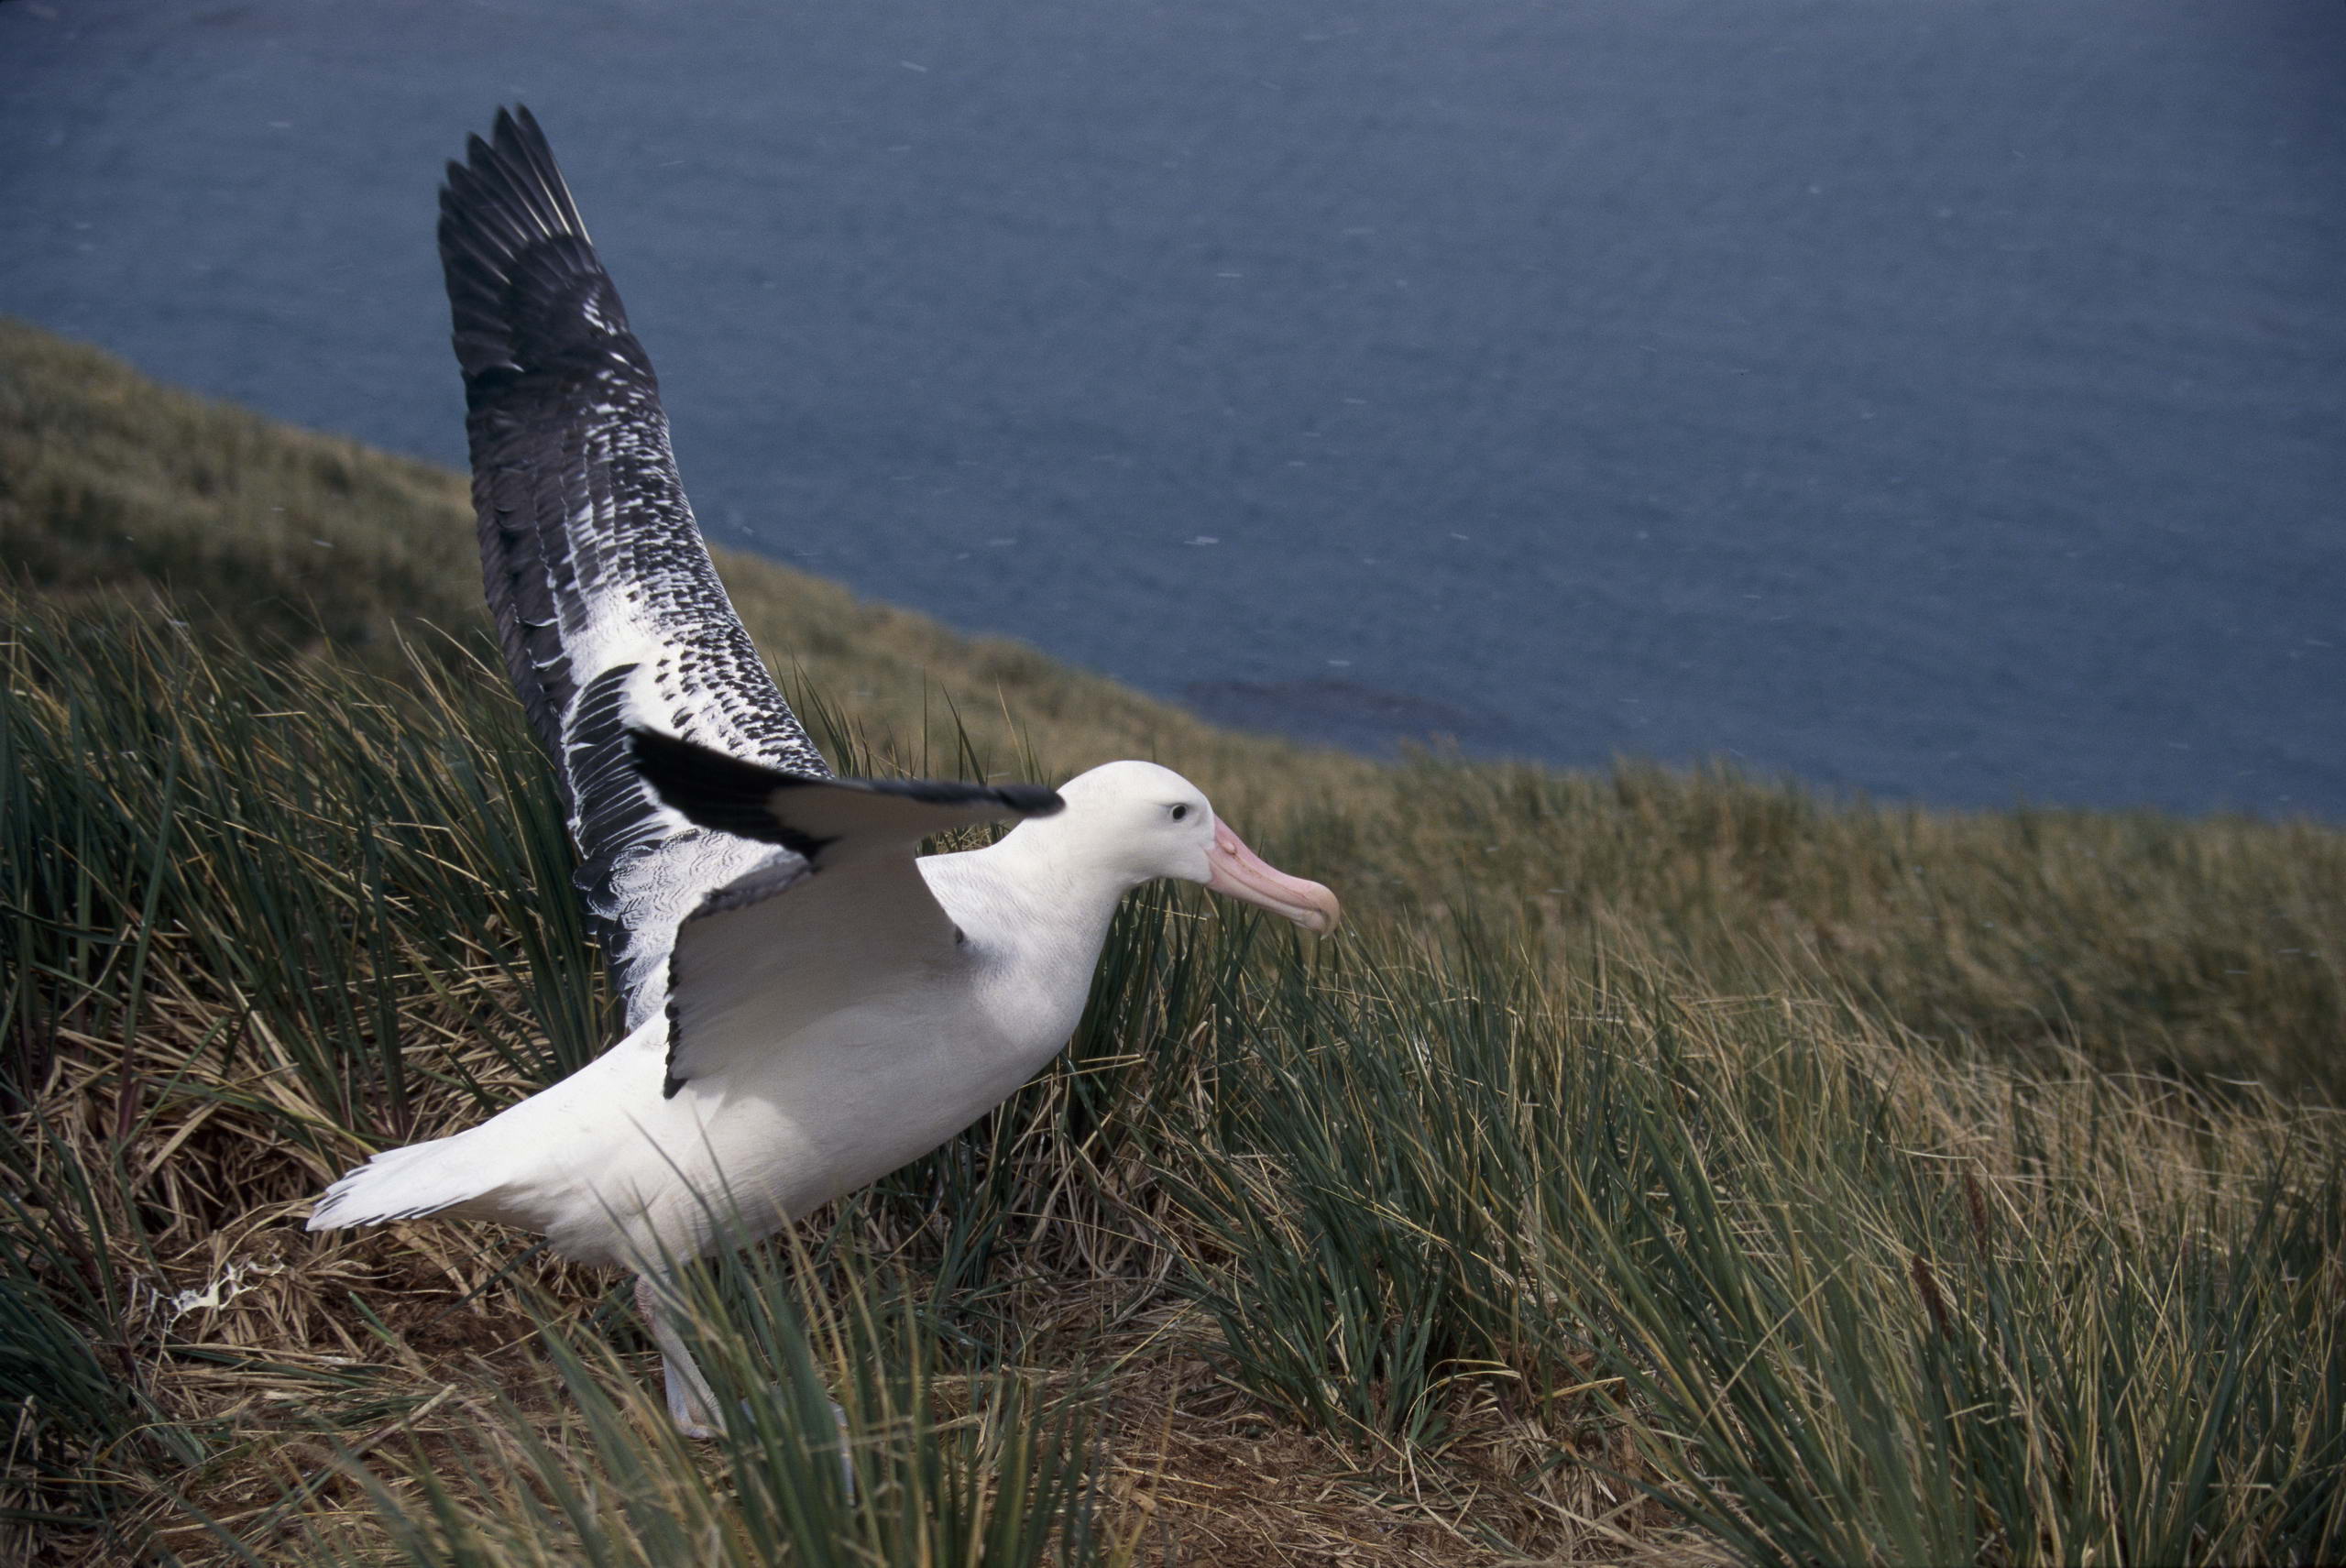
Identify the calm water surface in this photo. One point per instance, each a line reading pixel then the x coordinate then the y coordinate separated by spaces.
pixel 1940 398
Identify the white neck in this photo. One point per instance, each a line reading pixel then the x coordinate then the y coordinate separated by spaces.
pixel 1049 884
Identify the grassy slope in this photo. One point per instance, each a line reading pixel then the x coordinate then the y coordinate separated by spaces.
pixel 2212 946
pixel 1436 1274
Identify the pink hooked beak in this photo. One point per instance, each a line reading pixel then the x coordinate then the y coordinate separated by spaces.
pixel 1241 873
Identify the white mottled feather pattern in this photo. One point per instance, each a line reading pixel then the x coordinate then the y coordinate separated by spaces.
pixel 594 566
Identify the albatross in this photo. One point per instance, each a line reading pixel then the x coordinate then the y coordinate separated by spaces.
pixel 810 1002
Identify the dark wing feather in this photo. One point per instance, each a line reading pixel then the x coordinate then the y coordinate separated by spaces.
pixel 609 609
pixel 808 816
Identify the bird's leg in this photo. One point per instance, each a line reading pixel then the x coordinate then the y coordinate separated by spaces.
pixel 690 1402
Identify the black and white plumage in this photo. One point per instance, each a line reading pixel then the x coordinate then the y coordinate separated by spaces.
pixel 810 1002
pixel 607 604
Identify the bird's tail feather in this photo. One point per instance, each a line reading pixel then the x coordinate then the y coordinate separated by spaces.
pixel 402 1184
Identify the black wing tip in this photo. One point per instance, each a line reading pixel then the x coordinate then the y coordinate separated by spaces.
pixel 508 177
pixel 525 288
pixel 516 145
pixel 1031 800
pixel 715 790
pixel 517 128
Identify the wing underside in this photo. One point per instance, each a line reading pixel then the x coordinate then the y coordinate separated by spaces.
pixel 609 609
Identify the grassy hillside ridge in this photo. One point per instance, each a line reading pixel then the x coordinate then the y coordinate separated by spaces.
pixel 1659 1167
pixel 2212 946
pixel 111 485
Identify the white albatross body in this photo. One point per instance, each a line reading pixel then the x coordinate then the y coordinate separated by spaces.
pixel 868 1035
pixel 611 1172
pixel 810 1003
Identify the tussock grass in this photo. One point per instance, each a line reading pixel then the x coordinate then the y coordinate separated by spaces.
pixel 1661 1166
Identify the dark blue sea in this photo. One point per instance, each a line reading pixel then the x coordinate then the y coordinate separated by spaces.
pixel 1942 399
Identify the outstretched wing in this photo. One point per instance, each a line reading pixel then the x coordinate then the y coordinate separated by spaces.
pixel 858 924
pixel 608 609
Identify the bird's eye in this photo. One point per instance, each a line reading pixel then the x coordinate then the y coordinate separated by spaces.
pixel 1180 812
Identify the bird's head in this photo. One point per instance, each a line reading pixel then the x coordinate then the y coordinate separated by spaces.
pixel 1144 822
